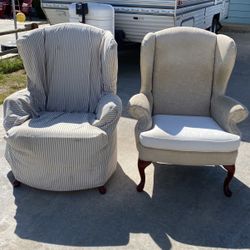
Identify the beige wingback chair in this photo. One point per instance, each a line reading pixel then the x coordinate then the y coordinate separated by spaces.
pixel 183 114
pixel 61 130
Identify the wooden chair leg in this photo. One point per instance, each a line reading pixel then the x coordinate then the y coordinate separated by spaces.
pixel 230 174
pixel 16 183
pixel 141 166
pixel 102 190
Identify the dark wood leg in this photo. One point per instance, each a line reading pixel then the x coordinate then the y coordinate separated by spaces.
pixel 230 174
pixel 16 183
pixel 141 166
pixel 102 190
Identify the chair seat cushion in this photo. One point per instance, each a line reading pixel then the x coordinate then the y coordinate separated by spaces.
pixel 59 129
pixel 61 152
pixel 188 133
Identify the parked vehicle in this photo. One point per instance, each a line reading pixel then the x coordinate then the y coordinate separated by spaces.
pixel 95 14
pixel 135 18
pixel 3 5
pixel 26 7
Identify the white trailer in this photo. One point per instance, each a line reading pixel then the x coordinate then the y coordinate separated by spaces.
pixel 135 18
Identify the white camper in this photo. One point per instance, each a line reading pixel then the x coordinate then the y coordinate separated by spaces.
pixel 98 15
pixel 135 18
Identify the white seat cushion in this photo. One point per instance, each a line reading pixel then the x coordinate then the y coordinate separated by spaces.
pixel 188 133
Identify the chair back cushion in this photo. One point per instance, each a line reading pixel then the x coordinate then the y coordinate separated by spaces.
pixel 74 61
pixel 183 71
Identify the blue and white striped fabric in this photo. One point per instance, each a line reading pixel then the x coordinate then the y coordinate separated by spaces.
pixel 61 131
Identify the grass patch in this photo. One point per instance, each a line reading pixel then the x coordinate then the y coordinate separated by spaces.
pixel 10 65
pixel 12 77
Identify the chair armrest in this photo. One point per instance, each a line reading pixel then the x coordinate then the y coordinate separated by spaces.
pixel 140 108
pixel 228 112
pixel 17 109
pixel 108 112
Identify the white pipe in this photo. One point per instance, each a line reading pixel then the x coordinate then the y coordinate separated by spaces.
pixel 14 16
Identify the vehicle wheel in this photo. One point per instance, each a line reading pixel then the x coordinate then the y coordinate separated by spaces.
pixel 215 25
pixel 119 37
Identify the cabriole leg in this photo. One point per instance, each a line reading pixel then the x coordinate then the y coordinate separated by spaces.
pixel 230 174
pixel 141 166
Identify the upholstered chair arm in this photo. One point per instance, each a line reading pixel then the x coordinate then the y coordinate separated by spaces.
pixel 108 112
pixel 228 112
pixel 17 109
pixel 139 107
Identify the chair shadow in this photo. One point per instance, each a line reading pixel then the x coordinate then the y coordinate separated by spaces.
pixel 191 206
pixel 81 218
pixel 187 204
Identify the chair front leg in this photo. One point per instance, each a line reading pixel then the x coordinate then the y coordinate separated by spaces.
pixel 102 190
pixel 15 183
pixel 141 166
pixel 230 173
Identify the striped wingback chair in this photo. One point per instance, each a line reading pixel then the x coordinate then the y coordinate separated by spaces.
pixel 184 116
pixel 61 130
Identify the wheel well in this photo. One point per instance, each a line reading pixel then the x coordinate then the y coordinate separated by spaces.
pixel 217 17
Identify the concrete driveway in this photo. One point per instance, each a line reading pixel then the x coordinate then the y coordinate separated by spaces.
pixel 182 207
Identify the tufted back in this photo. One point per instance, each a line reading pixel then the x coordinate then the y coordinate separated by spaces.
pixel 69 66
pixel 181 68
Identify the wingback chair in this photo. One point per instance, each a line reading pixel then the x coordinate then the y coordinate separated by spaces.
pixel 61 130
pixel 184 116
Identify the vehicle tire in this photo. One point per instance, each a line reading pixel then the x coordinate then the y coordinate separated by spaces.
pixel 120 37
pixel 216 26
pixel 9 45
